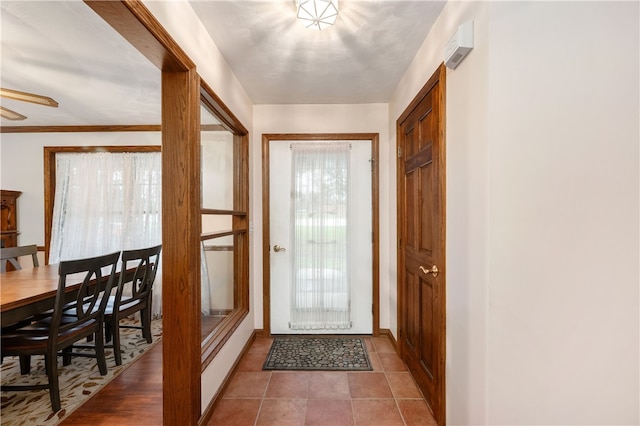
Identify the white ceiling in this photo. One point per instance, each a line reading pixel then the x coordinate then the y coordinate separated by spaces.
pixel 359 60
pixel 62 49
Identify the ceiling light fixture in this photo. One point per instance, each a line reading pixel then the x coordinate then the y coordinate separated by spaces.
pixel 28 97
pixel 10 115
pixel 317 14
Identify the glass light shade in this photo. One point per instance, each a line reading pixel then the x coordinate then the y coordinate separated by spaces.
pixel 10 114
pixel 28 97
pixel 318 14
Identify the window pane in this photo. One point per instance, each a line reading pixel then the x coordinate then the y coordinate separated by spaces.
pixel 217 164
pixel 215 223
pixel 218 299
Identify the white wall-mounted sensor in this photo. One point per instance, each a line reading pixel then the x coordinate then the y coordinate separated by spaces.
pixel 459 45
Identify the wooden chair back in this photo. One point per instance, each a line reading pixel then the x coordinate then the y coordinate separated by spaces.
pixel 137 287
pixel 88 300
pixel 11 255
pixel 134 294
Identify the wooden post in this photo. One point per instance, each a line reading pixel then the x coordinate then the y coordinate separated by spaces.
pixel 180 233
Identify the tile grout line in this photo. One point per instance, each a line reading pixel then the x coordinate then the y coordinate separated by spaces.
pixel 306 401
pixel 353 411
pixel 393 394
pixel 264 393
pixel 395 399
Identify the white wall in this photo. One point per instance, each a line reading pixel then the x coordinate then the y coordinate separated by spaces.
pixel 361 118
pixel 563 196
pixel 542 194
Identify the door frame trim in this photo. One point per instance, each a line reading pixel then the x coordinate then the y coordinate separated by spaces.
pixel 438 77
pixel 375 217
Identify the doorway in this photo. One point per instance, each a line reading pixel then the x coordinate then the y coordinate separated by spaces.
pixel 421 234
pixel 292 265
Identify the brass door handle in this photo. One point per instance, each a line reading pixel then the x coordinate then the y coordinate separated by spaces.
pixel 433 271
pixel 277 248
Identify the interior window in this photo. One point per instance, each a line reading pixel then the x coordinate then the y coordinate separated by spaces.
pixel 224 218
pixel 125 198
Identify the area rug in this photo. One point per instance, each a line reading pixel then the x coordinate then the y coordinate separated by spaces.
pixel 78 381
pixel 318 353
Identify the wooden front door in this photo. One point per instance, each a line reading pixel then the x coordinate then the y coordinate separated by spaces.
pixel 421 232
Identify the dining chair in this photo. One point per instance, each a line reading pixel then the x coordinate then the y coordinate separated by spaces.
pixel 68 323
pixel 11 255
pixel 133 294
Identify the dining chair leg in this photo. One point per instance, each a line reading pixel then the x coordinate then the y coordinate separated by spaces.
pixel 147 316
pixel 25 364
pixel 51 363
pixel 66 355
pixel 102 360
pixel 115 333
pixel 145 319
pixel 108 332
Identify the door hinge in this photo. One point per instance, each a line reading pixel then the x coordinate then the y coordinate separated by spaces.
pixel 399 152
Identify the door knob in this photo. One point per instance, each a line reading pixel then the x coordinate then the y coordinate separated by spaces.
pixel 433 271
pixel 277 248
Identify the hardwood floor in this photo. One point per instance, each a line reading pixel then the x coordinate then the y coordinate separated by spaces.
pixel 132 398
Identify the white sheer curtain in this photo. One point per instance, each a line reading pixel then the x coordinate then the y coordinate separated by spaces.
pixel 320 288
pixel 107 202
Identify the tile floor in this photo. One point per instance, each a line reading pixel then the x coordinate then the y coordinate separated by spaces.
pixel 385 396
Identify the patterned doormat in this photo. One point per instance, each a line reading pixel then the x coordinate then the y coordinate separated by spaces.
pixel 318 353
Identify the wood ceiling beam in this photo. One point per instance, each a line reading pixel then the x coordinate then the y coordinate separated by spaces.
pixel 81 129
pixel 133 21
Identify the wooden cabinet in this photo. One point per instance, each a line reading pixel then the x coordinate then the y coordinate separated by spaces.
pixel 9 223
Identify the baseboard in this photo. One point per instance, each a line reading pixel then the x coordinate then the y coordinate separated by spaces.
pixel 208 412
pixel 387 333
pixel 260 332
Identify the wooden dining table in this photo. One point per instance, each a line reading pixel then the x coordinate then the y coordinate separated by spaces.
pixel 31 291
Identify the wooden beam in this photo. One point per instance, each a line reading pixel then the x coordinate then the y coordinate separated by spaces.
pixel 82 129
pixel 181 255
pixel 137 24
pixel 221 110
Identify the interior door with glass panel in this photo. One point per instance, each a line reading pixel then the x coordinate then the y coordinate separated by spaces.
pixel 320 237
